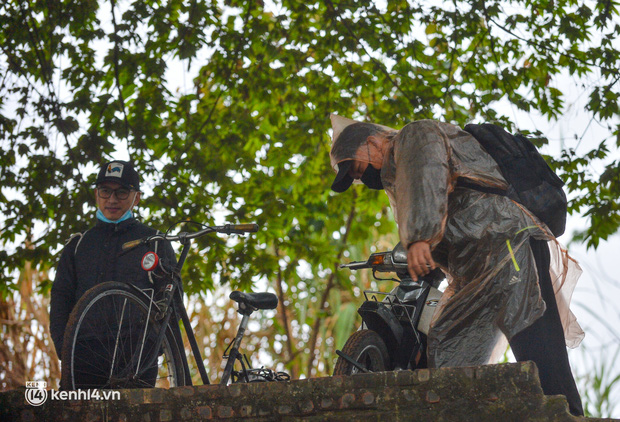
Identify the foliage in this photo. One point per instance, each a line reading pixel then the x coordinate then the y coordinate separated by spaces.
pixel 26 349
pixel 599 383
pixel 247 139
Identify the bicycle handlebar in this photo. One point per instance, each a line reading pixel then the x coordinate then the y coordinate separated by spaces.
pixel 129 245
pixel 381 262
pixel 356 265
pixel 226 229
pixel 241 228
pixel 385 262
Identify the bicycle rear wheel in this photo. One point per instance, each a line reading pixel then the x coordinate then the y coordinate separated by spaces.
pixel 110 338
pixel 366 348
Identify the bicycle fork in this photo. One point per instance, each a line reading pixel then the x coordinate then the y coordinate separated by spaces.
pixel 139 366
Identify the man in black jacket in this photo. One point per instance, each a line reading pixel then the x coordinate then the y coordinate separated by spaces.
pixel 93 257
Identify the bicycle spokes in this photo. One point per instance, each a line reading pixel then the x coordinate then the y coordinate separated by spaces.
pixel 114 344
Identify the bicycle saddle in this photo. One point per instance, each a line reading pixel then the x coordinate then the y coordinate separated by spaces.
pixel 264 300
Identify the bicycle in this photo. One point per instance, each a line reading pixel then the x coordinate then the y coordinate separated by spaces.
pixel 394 330
pixel 142 346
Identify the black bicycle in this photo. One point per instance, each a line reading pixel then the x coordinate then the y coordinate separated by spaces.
pixel 138 341
pixel 394 324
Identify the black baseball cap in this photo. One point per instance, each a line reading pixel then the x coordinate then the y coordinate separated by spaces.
pixel 121 172
pixel 343 180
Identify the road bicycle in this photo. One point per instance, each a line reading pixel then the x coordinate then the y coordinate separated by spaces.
pixel 121 336
pixel 394 329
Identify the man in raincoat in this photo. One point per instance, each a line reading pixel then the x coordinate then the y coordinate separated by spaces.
pixel 493 250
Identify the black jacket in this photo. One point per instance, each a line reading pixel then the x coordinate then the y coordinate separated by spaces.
pixel 93 258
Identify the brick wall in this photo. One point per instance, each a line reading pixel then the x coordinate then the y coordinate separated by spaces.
pixel 509 392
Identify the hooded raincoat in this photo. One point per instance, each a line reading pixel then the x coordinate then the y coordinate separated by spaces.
pixel 480 240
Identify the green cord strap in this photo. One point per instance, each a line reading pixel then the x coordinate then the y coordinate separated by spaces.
pixel 512 255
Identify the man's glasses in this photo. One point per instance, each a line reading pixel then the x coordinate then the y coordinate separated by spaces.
pixel 120 193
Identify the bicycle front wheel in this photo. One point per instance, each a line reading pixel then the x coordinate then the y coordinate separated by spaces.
pixel 110 340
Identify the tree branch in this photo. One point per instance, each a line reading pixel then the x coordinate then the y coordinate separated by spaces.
pixel 330 284
pixel 377 63
pixel 116 72
pixel 282 312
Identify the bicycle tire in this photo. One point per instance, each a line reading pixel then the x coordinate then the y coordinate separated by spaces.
pixel 92 359
pixel 368 349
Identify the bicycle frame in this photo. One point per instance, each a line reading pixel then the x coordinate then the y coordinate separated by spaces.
pixel 173 302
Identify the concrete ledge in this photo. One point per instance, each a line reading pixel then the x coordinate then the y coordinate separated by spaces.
pixel 509 392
